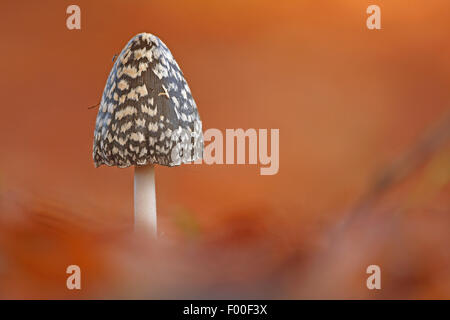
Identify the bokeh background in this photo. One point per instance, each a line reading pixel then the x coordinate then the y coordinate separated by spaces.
pixel 352 105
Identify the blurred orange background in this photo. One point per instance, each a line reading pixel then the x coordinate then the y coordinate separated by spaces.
pixel 347 100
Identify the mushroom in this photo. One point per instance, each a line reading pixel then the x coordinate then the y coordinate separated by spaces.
pixel 147 116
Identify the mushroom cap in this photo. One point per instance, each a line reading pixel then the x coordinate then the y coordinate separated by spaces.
pixel 147 114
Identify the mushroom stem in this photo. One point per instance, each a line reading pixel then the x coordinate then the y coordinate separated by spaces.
pixel 144 199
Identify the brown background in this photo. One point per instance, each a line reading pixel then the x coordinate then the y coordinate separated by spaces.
pixel 347 102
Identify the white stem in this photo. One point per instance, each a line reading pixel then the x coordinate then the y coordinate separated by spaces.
pixel 144 199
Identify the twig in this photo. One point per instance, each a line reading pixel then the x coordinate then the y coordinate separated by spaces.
pixel 400 170
pixel 92 107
